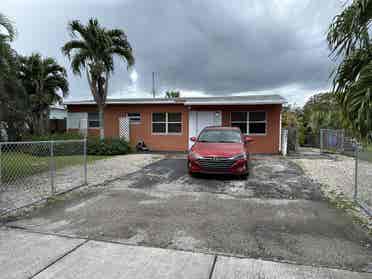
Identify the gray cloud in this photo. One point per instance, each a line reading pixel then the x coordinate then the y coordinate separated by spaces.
pixel 214 46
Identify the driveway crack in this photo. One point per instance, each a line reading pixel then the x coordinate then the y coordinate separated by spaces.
pixel 59 258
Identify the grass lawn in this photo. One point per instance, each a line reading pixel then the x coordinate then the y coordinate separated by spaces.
pixel 17 165
pixel 366 154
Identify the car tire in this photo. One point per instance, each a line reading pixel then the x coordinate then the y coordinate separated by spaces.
pixel 245 175
pixel 188 169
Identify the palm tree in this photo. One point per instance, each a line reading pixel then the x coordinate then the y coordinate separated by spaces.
pixel 172 94
pixel 6 52
pixel 44 80
pixel 12 94
pixel 92 49
pixel 6 25
pixel 348 38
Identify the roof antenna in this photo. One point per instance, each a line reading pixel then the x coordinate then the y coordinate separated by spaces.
pixel 153 85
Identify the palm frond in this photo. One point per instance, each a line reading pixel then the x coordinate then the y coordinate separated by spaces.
pixel 73 45
pixel 349 30
pixel 124 53
pixel 8 25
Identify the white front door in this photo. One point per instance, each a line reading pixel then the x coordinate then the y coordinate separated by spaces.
pixel 198 120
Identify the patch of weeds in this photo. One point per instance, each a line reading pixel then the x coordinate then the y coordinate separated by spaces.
pixel 54 199
pixel 339 200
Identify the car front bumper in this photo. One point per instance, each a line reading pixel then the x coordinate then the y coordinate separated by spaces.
pixel 218 166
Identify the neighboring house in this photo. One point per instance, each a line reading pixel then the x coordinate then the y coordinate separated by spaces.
pixel 57 112
pixel 57 119
pixel 167 124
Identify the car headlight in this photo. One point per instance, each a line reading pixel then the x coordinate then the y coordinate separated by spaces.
pixel 240 156
pixel 194 155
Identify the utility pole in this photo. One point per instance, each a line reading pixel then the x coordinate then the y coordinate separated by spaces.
pixel 153 84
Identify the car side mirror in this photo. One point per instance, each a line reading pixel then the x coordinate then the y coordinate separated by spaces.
pixel 193 139
pixel 248 139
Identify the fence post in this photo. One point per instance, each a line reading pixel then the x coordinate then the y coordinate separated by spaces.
pixel 85 162
pixel 52 167
pixel 342 140
pixel 356 171
pixel 284 142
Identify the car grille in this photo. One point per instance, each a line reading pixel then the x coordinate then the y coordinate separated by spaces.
pixel 216 163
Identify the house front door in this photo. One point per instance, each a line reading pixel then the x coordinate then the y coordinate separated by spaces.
pixel 198 120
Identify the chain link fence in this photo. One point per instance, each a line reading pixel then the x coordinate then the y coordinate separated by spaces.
pixel 352 165
pixel 311 140
pixel 363 178
pixel 32 171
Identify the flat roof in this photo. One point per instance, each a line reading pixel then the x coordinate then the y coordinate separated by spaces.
pixel 190 101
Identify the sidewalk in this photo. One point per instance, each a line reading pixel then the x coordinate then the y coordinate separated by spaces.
pixel 26 254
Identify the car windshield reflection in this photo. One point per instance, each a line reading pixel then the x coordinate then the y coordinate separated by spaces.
pixel 220 136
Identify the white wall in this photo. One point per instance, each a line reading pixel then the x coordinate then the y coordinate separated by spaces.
pixel 57 114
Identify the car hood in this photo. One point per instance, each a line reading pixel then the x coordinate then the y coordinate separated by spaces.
pixel 209 149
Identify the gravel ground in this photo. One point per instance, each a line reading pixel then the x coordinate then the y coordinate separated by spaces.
pixel 35 187
pixel 337 175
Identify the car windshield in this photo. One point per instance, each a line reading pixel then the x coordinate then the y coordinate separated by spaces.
pixel 232 136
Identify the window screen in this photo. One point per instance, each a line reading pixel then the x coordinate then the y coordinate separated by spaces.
pixel 134 117
pixel 167 122
pixel 93 120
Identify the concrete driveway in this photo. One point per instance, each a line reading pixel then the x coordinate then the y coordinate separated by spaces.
pixel 276 214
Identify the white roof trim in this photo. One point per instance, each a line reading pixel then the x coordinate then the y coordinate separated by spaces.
pixel 223 100
pixel 120 102
pixel 234 103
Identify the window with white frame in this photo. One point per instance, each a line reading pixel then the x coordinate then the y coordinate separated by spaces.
pixel 167 122
pixel 93 120
pixel 250 122
pixel 134 117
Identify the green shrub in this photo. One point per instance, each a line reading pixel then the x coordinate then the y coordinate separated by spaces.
pixel 95 146
pixel 109 146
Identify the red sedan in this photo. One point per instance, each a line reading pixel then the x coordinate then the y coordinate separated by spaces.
pixel 219 150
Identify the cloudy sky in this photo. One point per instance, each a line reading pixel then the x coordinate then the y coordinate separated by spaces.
pixel 213 47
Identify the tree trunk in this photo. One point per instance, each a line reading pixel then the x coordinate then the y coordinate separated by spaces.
pixel 41 124
pixel 36 123
pixel 101 122
pixel 12 132
pixel 46 115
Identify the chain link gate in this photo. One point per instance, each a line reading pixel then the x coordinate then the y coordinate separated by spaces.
pixel 35 170
pixel 356 157
pixel 331 140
